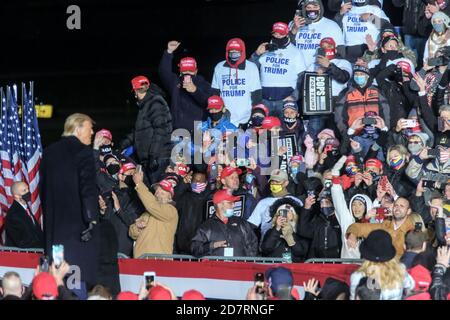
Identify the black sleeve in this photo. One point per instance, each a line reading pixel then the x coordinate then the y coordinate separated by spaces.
pixel 438 99
pixel 160 117
pixel 418 205
pixel 17 233
pixel 168 78
pixel 200 244
pixel 440 231
pixel 398 3
pixel 341 76
pixel 215 92
pixel 305 225
pixel 202 93
pixel 256 97
pixel 439 289
pixel 272 240
pixel 300 248
pixel 251 241
pixel 338 19
pixel 427 113
pixel 88 185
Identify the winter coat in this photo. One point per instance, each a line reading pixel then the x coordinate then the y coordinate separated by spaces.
pixel 151 136
pixel 161 224
pixel 414 21
pixel 237 232
pixel 70 202
pixel 185 107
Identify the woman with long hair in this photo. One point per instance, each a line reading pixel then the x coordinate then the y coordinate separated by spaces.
pixel 382 269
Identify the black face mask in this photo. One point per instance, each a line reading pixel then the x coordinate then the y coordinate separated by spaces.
pixel 257 121
pixel 106 149
pixel 27 196
pixel 280 43
pixel 113 169
pixel 129 181
pixel 181 78
pixel 234 56
pixel 290 121
pixel 216 116
pixel 391 55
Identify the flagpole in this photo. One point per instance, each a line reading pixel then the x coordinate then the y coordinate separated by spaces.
pixel 23 108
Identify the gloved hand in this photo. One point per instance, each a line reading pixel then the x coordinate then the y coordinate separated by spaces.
pixel 86 235
pixel 338 166
pixel 288 234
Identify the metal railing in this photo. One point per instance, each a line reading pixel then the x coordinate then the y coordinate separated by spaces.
pixel 28 250
pixel 178 257
pixel 334 261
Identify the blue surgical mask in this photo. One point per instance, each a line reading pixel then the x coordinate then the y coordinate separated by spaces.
pixel 294 171
pixel 229 213
pixel 360 80
pixel 439 27
pixel 249 178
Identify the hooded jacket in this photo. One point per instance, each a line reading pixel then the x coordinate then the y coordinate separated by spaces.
pixel 274 245
pixel 237 83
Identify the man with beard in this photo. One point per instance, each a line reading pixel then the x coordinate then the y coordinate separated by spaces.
pixel 398 227
pixel 189 91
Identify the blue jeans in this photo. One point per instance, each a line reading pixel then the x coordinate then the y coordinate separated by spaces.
pixel 315 124
pixel 417 44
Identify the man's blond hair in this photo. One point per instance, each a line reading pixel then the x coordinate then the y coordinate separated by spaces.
pixel 74 121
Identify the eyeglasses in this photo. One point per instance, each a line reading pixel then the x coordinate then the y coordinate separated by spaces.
pixel 415 142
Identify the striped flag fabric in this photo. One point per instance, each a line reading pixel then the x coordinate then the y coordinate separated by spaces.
pixel 6 176
pixel 32 150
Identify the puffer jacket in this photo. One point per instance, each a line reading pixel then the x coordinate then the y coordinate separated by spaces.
pixel 429 170
pixel 151 136
pixel 237 232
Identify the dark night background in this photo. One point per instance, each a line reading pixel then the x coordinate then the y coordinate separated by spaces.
pixel 89 70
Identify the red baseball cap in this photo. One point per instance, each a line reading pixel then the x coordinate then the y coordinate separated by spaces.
pixel 139 81
pixel 228 171
pixel 45 287
pixel 127 166
pixel 193 295
pixel 127 295
pixel 271 122
pixel 421 276
pixel 350 159
pixel 224 195
pixel 159 293
pixel 374 163
pixel 281 28
pixel 297 158
pixel 215 102
pixel 406 67
pixel 105 133
pixel 262 107
pixel 166 185
pixel 188 64
pixel 328 40
pixel 234 44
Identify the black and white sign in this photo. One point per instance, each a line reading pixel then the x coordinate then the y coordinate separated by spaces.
pixel 317 95
pixel 290 142
pixel 238 208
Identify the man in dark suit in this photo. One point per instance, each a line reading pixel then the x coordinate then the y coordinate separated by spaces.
pixel 22 228
pixel 70 199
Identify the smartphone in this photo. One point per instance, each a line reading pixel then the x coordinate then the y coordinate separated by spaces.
pixel 298 13
pixel 383 182
pixel 435 153
pixel 242 162
pixel 44 264
pixel 107 195
pixel 410 123
pixel 321 52
pixel 187 78
pixel 418 226
pixel 381 212
pixel 259 282
pixel 284 213
pixel 149 279
pixel 58 254
pixel 369 121
pixel 428 184
pixel 139 168
pixel 311 193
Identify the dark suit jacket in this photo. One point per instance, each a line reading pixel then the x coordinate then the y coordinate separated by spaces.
pixel 20 230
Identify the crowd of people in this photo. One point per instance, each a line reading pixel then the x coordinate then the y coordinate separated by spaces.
pixel 370 181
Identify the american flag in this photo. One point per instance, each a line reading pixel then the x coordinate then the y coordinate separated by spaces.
pixel 32 150
pixel 14 134
pixel 6 176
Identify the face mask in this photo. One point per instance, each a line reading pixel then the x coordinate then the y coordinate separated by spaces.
pixel 391 54
pixel 257 121
pixel 360 80
pixel 234 56
pixel 276 188
pixel 249 178
pixel 351 170
pixel 198 187
pixel 216 116
pixel 375 177
pixel 27 196
pixel 439 27
pixel 290 121
pixel 106 149
pixel 229 213
pixel 294 171
pixel 330 54
pixel 327 211
pixel 415 148
pixel 370 130
pixel 280 43
pixel 396 163
pixel 129 181
pixel 182 171
pixel 113 169
pixel 312 14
